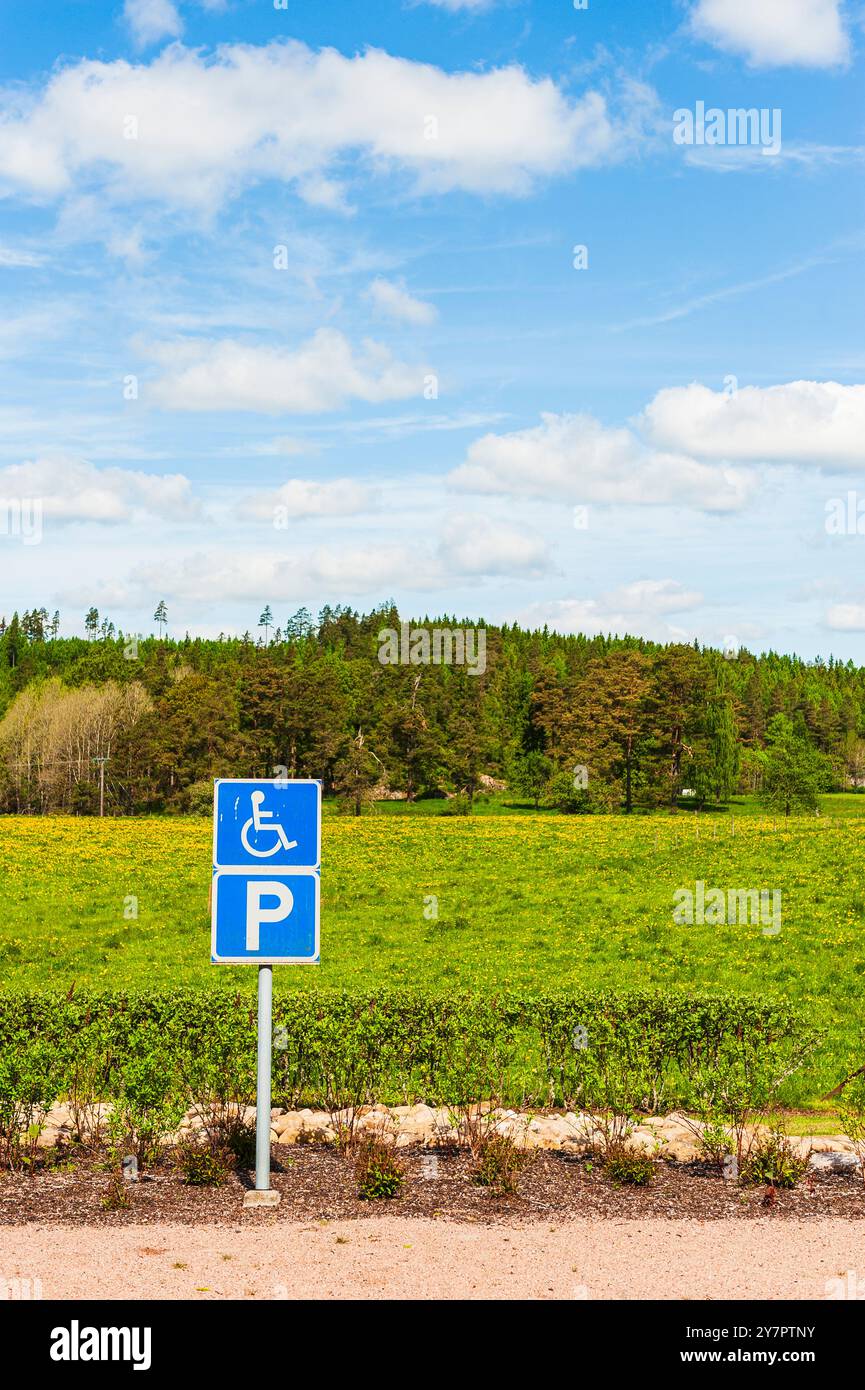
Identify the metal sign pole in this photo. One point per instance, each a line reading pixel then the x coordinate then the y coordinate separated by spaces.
pixel 262 1095
pixel 265 905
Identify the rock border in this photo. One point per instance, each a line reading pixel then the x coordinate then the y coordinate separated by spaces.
pixel 670 1137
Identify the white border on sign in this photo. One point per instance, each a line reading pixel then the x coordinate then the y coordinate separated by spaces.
pixel 278 783
pixel 269 960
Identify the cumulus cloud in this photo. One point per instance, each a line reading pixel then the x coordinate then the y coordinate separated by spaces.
pixel 775 33
pixel 394 301
pixel 575 458
pixel 640 608
pixel 152 20
pixel 477 545
pixel 471 548
pixel 365 569
pixel 324 373
pixel 300 498
pixel 191 129
pixel 690 445
pixel 75 490
pixel 818 422
pixel 846 617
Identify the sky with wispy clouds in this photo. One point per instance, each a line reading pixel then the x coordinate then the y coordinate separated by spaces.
pixel 428 300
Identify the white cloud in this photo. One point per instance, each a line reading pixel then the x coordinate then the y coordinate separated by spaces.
pixel 574 458
pixel 365 569
pixel 152 20
pixel 401 426
pixel 26 334
pixel 324 373
pixel 846 617
pixel 476 545
pixel 205 126
pixel 690 446
pixel 127 246
pixel 702 301
pixel 300 498
pixel 639 608
pixel 749 159
pixel 12 259
pixel 470 548
pixel 283 446
pixel 74 490
pixel 454 5
pixel 394 301
pixel 775 33
pixel 818 422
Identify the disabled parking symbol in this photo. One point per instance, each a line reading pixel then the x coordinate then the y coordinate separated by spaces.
pixel 266 857
pixel 256 820
pixel 268 824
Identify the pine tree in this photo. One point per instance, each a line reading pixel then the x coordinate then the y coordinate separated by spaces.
pixel 356 775
pixel 612 727
pixel 300 625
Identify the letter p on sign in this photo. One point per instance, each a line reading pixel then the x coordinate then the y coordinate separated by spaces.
pixel 256 894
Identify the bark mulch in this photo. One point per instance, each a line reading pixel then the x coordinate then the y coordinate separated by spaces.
pixel 318 1184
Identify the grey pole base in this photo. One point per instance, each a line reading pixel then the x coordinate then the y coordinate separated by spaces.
pixel 256 1198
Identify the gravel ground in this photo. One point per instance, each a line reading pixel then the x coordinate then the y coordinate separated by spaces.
pixel 393 1256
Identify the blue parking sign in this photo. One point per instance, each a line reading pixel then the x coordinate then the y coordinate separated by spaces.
pixel 266 854
pixel 265 919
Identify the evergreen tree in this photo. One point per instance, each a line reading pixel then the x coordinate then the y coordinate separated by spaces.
pixel 611 727
pixel 299 626
pixel 356 774
pixel 644 719
pixel 676 714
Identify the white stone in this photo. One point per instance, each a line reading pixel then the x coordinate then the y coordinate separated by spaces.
pixel 834 1163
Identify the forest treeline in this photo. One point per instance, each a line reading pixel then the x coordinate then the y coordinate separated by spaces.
pixel 585 723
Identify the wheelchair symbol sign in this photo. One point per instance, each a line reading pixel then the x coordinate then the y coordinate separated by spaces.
pixel 267 825
pixel 257 820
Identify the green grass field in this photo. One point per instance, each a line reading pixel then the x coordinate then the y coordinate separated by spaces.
pixel 521 901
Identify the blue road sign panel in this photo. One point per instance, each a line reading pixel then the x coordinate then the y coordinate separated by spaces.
pixel 266 857
pixel 266 825
pixel 265 919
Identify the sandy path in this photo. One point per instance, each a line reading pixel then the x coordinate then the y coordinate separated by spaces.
pixel 394 1257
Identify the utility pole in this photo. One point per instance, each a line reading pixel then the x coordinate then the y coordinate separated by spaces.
pixel 101 762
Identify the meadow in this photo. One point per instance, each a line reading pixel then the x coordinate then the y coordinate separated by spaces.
pixel 442 903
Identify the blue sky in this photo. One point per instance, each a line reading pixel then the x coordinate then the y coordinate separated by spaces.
pixel 291 315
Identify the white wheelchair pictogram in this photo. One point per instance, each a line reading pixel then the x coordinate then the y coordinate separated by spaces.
pixel 256 822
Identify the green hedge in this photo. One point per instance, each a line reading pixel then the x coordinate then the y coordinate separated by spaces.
pixel 396 1046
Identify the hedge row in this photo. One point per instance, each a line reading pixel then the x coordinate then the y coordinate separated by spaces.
pixel 396 1046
